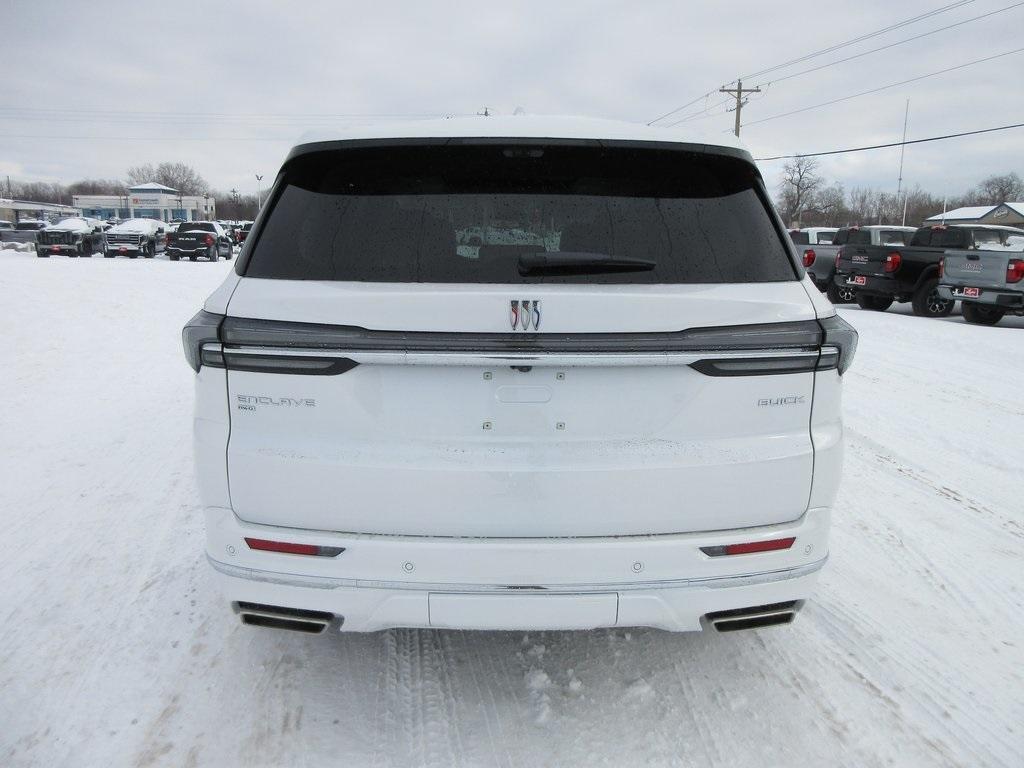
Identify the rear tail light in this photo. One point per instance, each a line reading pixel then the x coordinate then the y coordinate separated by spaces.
pixel 893 260
pixel 1015 270
pixel 201 330
pixel 290 548
pixel 750 547
pixel 208 239
pixel 839 255
pixel 942 266
pixel 839 344
pixel 809 257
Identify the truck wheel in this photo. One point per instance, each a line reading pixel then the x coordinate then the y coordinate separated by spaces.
pixel 979 314
pixel 840 294
pixel 876 303
pixel 150 251
pixel 212 253
pixel 191 258
pixel 173 256
pixel 927 302
pixel 107 254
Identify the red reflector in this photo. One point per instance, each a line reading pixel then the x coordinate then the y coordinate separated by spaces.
pixel 750 547
pixel 293 549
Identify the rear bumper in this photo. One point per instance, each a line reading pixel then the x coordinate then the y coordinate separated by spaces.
pixel 56 247
pixel 380 582
pixel 874 285
pixel 993 297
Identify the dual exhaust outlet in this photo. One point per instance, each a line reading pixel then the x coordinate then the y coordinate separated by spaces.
pixel 315 622
pixel 278 617
pixel 755 617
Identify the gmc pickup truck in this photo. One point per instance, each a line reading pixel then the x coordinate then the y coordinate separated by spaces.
pixel 198 238
pixel 135 237
pixel 76 236
pixel 24 231
pixel 989 283
pixel 882 274
pixel 820 260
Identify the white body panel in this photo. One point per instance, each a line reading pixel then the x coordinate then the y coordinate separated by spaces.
pixel 475 448
pixel 504 490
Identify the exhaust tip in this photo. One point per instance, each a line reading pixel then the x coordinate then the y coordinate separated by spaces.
pixel 281 617
pixel 754 617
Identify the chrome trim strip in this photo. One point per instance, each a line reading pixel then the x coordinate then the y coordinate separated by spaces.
pixel 537 359
pixel 321 582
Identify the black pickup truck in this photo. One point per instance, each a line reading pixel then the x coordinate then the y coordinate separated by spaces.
pixel 882 274
pixel 193 239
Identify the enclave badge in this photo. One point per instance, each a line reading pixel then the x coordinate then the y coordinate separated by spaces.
pixel 524 314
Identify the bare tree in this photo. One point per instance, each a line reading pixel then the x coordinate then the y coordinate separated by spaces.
pixel 798 187
pixel 178 176
pixel 998 189
pixel 96 187
pixel 831 204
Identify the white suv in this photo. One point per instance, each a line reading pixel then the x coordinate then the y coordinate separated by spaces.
pixel 518 373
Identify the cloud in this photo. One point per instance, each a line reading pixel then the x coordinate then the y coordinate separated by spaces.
pixel 230 91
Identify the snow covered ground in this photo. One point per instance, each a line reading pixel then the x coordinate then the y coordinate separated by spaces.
pixel 116 652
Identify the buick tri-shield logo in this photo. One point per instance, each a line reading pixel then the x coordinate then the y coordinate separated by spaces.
pixel 524 315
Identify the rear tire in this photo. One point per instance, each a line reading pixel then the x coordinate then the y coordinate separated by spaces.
pixel 211 254
pixel 150 251
pixel 173 256
pixel 979 314
pixel 927 302
pixel 875 303
pixel 840 294
pixel 107 254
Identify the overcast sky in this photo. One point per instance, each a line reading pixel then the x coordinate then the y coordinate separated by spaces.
pixel 89 89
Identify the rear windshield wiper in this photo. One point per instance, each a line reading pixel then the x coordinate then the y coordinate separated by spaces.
pixel 573 262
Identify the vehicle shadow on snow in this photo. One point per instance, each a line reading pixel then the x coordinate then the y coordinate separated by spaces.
pixel 955 317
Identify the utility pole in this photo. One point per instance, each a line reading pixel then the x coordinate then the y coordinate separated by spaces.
pixel 903 149
pixel 259 192
pixel 738 92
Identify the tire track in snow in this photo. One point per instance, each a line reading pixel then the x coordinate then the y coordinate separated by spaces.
pixel 921 676
pixel 421 706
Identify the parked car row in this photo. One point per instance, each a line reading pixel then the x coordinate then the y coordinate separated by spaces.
pixel 931 267
pixel 83 237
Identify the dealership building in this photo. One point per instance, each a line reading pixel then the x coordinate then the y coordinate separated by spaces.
pixel 148 201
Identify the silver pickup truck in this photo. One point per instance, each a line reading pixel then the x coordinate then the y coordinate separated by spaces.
pixel 989 283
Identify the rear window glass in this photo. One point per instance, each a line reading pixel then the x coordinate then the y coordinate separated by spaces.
pixel 799 238
pixel 940 237
pixel 519 214
pixel 202 226
pixel 894 237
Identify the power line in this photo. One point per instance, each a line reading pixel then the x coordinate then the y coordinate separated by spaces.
pixel 861 38
pixel 891 45
pixel 904 23
pixel 680 109
pixel 702 113
pixel 884 87
pixel 892 144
